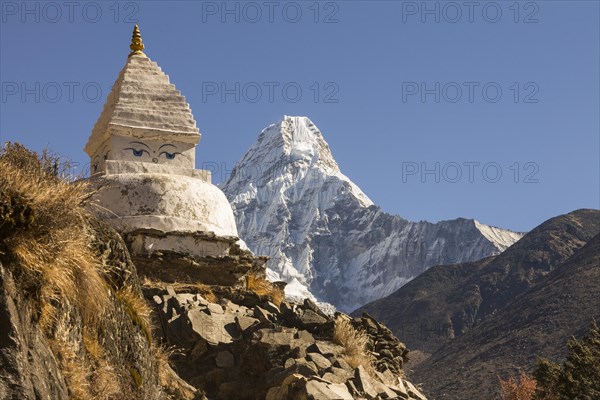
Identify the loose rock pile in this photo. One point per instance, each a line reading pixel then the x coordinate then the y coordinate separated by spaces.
pixel 251 350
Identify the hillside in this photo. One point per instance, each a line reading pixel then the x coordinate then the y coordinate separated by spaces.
pixel 536 324
pixel 73 322
pixel 446 301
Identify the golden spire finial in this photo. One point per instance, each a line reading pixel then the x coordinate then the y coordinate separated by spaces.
pixel 136 41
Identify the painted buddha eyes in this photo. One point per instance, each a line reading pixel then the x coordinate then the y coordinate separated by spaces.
pixel 168 156
pixel 136 152
pixel 139 151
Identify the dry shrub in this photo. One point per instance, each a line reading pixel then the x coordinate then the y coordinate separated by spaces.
pixel 354 343
pixel 206 292
pixel 43 231
pixel 521 388
pixel 262 287
pixel 45 242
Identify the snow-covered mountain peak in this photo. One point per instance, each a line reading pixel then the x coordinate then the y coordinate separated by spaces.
pixel 324 236
pixel 287 152
pixel 291 140
pixel 305 143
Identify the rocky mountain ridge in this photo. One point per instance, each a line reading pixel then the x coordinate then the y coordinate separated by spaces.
pixel 536 324
pixel 447 300
pixel 324 236
pixel 503 311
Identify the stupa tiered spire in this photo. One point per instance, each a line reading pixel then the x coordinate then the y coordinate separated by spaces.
pixel 143 104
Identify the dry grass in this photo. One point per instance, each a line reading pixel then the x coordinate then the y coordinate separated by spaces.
pixel 262 287
pixel 521 388
pixel 138 310
pixel 93 346
pixel 45 242
pixel 43 231
pixel 75 370
pixel 204 290
pixel 174 386
pixel 87 380
pixel 105 382
pixel 354 343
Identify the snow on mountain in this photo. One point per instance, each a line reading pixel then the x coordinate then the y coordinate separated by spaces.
pixel 325 237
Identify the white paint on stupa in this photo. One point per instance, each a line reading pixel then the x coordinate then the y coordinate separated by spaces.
pixel 142 155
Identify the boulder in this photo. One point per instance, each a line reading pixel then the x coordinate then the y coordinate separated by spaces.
pixel 364 383
pixel 215 308
pixel 320 361
pixel 413 391
pixel 331 377
pixel 341 374
pixel 311 321
pixel 262 314
pixel 341 363
pixel 225 359
pixel 270 307
pixel 271 338
pixel 318 390
pixel 327 349
pixel 305 336
pixel 244 323
pixel 340 390
pixel 310 305
pixel 299 368
pixel 290 384
pixel 214 328
pixel 289 362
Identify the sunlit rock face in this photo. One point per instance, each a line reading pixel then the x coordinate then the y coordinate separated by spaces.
pixel 142 156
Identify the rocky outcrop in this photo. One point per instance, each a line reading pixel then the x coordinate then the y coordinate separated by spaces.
pixel 73 322
pixel 53 362
pixel 28 367
pixel 251 348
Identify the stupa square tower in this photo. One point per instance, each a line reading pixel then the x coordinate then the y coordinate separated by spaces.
pixel 142 162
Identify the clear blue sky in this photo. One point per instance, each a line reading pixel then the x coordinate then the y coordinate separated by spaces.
pixel 373 59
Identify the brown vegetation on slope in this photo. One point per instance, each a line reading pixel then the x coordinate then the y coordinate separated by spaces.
pixel 354 343
pixel 73 320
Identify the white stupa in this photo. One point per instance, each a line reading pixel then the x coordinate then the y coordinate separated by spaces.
pixel 142 157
